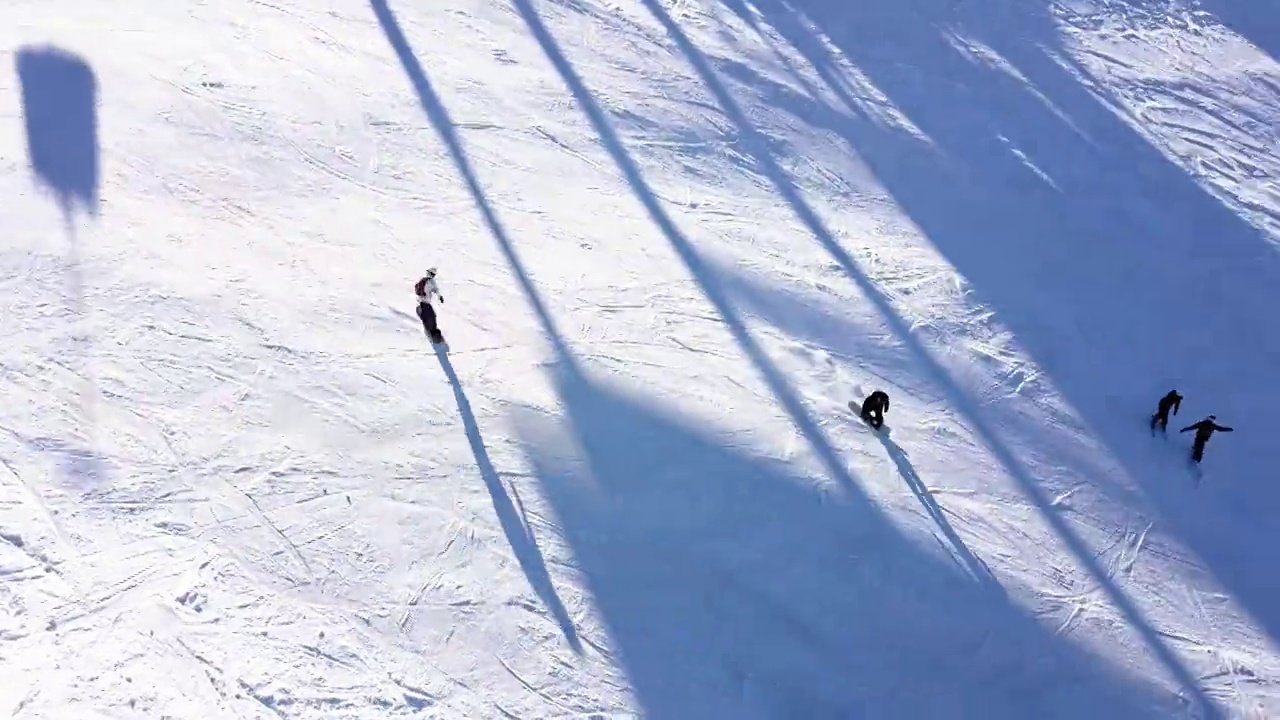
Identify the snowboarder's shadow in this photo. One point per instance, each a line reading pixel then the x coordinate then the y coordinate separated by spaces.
pixel 510 512
pixel 974 565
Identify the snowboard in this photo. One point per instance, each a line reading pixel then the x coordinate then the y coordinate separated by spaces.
pixel 856 407
pixel 1194 468
pixel 1197 473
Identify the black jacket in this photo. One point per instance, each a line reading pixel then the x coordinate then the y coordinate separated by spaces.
pixel 876 401
pixel 1205 428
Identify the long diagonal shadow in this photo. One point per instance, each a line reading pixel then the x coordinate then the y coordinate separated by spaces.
pixel 971 562
pixel 518 533
pixel 1097 238
pixel 759 150
pixel 522 542
pixel 734 591
pixel 696 265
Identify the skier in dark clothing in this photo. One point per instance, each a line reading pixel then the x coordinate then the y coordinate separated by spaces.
pixel 1172 401
pixel 1204 429
pixel 874 408
pixel 424 289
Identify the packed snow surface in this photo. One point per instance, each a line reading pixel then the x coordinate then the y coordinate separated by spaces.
pixel 676 239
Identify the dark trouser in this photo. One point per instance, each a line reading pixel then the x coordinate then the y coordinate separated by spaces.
pixel 1159 421
pixel 874 418
pixel 1197 451
pixel 427 314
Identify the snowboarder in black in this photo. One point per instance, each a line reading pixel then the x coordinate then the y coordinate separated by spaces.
pixel 874 408
pixel 1172 401
pixel 424 289
pixel 1204 429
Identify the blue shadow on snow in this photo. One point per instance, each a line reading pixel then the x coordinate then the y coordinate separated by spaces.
pixel 60 115
pixel 1258 21
pixel 1116 270
pixel 519 534
pixel 1102 256
pixel 972 563
pixel 59 107
pixel 732 589
pixel 523 544
pixel 759 148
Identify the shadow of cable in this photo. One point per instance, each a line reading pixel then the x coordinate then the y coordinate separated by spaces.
pixel 1078 232
pixel 732 589
pixel 522 541
pixel 759 149
pixel 693 260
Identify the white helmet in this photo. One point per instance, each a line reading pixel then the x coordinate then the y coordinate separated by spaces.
pixel 431 272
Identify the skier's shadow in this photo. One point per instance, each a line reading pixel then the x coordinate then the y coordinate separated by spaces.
pixel 974 565
pixel 518 533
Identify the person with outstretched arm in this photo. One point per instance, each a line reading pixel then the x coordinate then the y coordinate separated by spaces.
pixel 1204 429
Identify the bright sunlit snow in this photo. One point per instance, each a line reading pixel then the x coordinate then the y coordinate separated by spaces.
pixel 676 240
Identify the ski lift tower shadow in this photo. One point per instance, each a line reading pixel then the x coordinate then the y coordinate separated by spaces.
pixel 60 114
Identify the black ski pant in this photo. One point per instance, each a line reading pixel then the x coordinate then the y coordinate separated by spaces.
pixel 427 314
pixel 1197 451
pixel 874 418
pixel 1160 421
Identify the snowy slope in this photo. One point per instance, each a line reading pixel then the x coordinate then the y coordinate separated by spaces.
pixel 676 239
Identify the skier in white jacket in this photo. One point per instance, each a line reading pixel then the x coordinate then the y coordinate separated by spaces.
pixel 425 288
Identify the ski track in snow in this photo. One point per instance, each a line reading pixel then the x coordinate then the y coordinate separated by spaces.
pixel 236 482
